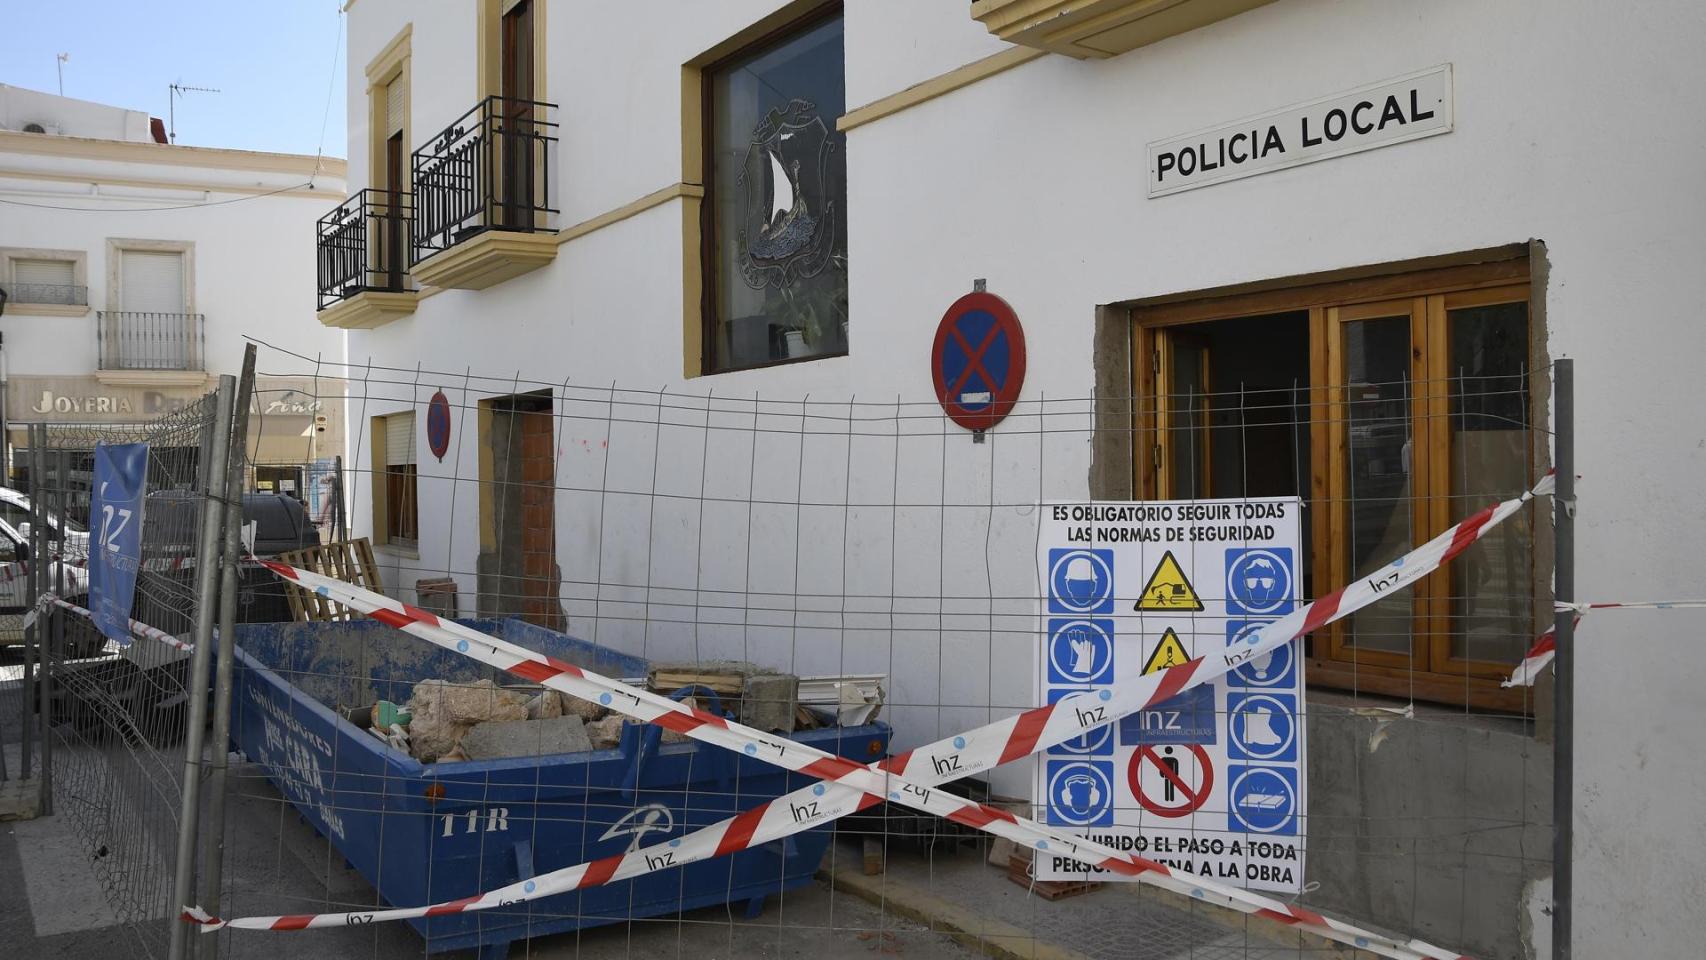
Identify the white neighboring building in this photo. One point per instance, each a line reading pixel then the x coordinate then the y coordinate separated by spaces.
pixel 134 269
pixel 1558 214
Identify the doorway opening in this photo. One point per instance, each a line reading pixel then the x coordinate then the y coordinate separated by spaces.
pixel 518 572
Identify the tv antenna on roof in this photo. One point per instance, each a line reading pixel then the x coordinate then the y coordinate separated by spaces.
pixel 60 66
pixel 178 90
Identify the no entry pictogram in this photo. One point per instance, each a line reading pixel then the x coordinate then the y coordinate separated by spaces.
pixel 1183 800
pixel 978 363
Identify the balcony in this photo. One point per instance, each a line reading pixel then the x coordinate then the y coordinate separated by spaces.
pixel 1096 29
pixel 361 252
pixel 150 348
pixel 482 196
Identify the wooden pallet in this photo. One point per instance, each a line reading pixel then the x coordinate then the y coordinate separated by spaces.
pixel 1019 871
pixel 348 560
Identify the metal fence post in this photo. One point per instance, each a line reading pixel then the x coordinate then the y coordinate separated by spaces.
pixel 207 585
pixel 213 850
pixel 55 630
pixel 32 581
pixel 1564 659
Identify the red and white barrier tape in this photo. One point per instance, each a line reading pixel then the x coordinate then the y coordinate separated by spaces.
pixel 1545 646
pixel 137 627
pixel 977 750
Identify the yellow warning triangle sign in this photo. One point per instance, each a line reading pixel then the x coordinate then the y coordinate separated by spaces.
pixel 1169 652
pixel 1168 591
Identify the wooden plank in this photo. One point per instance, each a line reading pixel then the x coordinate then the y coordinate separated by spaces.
pixel 350 561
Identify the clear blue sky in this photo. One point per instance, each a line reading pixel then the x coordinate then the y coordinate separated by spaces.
pixel 271 59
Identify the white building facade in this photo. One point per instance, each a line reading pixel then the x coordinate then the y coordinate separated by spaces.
pixel 134 270
pixel 758 199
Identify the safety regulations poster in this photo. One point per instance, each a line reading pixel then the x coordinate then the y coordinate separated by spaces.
pixel 1212 782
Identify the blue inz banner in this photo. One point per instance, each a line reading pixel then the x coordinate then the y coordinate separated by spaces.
pixel 115 514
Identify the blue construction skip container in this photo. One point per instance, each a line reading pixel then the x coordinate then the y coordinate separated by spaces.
pixel 432 832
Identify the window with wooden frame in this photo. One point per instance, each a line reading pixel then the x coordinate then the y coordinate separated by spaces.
pixel 1395 406
pixel 774 217
pixel 396 505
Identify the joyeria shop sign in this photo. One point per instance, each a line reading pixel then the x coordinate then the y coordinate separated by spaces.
pixel 1378 115
pixel 82 400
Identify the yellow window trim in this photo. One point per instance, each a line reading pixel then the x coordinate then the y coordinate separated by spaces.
pixel 938 85
pixel 385 62
pixel 656 198
pixel 489 39
pixel 391 65
pixel 693 168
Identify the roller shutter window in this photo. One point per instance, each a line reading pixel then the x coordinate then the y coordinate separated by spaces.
pixel 45 281
pixel 400 440
pixel 396 96
pixel 151 281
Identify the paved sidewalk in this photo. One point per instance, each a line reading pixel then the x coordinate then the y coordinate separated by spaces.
pixel 52 905
pixel 963 894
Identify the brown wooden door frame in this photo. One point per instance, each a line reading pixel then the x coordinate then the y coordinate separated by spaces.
pixel 391 247
pixel 515 115
pixel 1430 293
pixel 1440 427
pixel 1338 478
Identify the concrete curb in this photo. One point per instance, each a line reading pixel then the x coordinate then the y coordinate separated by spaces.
pixel 997 938
pixel 1267 932
pixel 985 934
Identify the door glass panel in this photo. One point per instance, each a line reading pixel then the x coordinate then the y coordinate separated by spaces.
pixel 1187 417
pixel 1492 581
pixel 1378 484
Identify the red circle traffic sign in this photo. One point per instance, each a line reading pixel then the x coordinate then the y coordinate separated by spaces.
pixel 438 425
pixel 1194 799
pixel 978 362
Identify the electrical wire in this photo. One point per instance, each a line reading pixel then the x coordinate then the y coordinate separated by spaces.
pixel 331 86
pixel 306 184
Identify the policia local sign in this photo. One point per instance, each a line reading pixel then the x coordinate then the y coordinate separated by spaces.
pixel 1377 115
pixel 1212 782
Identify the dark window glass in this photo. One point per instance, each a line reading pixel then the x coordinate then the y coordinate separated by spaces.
pixel 1492 582
pixel 776 258
pixel 401 519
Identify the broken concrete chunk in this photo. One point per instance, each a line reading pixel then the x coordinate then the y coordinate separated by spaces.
pixel 545 705
pixel 495 740
pixel 441 713
pixel 770 702
pixel 605 734
pixel 585 709
pixel 482 701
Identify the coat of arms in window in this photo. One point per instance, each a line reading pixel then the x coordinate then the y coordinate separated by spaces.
pixel 787 199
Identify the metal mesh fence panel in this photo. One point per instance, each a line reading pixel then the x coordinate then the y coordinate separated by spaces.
pixel 118 714
pixel 859 545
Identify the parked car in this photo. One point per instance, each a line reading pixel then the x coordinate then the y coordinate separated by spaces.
pixel 15 600
pixel 70 538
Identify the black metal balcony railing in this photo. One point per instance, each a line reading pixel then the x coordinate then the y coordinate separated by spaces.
pixel 55 294
pixel 363 245
pixel 490 170
pixel 149 341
